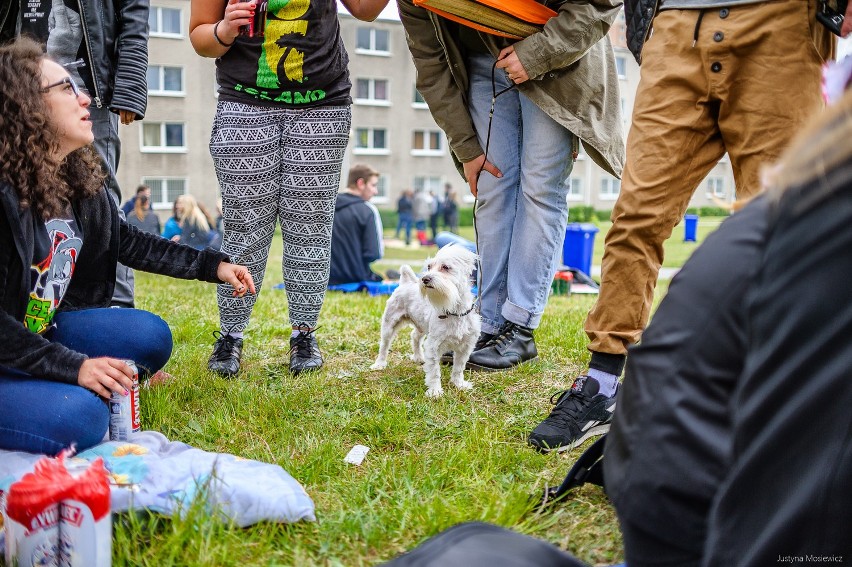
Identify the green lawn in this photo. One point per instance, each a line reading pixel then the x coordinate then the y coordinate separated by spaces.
pixel 432 463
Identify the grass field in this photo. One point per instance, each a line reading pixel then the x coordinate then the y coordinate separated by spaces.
pixel 432 463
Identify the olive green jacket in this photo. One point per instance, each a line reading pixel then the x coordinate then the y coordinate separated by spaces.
pixel 570 64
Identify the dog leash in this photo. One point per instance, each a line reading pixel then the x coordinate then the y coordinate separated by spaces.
pixel 494 95
pixel 448 314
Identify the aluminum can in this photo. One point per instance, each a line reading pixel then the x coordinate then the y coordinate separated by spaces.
pixel 84 540
pixel 124 417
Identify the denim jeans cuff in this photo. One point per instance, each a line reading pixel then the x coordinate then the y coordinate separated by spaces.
pixel 521 316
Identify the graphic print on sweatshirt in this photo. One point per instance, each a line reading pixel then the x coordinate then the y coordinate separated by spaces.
pixel 57 248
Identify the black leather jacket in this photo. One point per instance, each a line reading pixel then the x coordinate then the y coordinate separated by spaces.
pixel 115 33
pixel 639 15
pixel 106 241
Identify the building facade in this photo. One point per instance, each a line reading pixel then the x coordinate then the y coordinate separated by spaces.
pixel 392 129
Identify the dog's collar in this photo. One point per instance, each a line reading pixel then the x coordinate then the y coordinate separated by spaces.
pixel 448 314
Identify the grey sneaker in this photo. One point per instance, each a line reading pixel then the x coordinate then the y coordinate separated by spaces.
pixel 580 413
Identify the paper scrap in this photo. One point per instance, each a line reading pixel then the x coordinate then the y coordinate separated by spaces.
pixel 356 454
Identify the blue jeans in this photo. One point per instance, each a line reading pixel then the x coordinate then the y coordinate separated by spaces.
pixel 43 416
pixel 520 217
pixel 406 221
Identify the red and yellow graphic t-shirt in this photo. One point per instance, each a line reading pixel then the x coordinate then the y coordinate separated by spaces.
pixel 299 62
pixel 57 246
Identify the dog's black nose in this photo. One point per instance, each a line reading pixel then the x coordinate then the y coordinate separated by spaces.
pixel 426 279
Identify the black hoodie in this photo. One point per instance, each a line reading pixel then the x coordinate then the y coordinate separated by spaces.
pixel 355 240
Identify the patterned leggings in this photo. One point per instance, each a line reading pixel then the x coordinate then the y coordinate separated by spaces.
pixel 278 164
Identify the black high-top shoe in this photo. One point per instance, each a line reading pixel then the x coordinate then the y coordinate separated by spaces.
pixel 512 345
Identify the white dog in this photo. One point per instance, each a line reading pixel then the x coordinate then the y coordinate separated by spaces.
pixel 440 306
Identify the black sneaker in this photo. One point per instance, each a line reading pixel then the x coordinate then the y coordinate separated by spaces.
pixel 305 354
pixel 580 413
pixel 512 345
pixel 225 359
pixel 483 341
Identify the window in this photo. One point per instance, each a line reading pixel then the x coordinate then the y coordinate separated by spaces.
pixel 575 189
pixel 428 183
pixel 371 141
pixel 418 101
pixel 426 143
pixel 163 137
pixel 621 66
pixel 165 81
pixel 372 41
pixel 382 189
pixel 372 91
pixel 165 22
pixel 164 190
pixel 716 187
pixel 610 188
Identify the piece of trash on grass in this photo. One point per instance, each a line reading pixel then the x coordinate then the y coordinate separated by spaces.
pixel 356 454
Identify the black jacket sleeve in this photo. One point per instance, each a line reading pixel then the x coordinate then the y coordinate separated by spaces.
pixel 29 352
pixel 130 87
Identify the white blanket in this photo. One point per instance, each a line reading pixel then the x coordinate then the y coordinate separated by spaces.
pixel 149 472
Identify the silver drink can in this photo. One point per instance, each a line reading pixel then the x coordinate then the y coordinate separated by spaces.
pixel 124 417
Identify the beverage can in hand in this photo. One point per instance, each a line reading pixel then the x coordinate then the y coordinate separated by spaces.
pixel 124 417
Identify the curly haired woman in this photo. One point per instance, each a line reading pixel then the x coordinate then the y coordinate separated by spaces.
pixel 62 352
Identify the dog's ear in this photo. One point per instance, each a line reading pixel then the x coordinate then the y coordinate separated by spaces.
pixel 406 274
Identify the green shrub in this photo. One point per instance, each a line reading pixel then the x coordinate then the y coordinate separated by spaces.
pixel 713 212
pixel 581 214
pixel 603 215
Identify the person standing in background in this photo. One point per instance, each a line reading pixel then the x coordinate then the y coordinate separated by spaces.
pixel 451 210
pixel 405 211
pixel 435 214
pixel 422 210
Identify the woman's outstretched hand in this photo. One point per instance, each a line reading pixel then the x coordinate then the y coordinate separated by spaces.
pixel 105 375
pixel 238 276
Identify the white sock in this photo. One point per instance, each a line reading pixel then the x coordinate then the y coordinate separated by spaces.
pixel 295 333
pixel 608 382
pixel 235 334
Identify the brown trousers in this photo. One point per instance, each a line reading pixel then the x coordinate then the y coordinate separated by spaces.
pixel 745 86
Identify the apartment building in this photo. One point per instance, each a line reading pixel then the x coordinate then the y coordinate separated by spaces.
pixel 392 128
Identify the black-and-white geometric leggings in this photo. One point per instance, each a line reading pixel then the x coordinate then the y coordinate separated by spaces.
pixel 277 164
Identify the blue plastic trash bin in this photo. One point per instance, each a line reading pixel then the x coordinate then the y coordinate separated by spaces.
pixel 578 246
pixel 690 228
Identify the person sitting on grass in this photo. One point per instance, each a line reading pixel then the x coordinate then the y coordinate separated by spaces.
pixel 142 217
pixel 63 350
pixel 356 236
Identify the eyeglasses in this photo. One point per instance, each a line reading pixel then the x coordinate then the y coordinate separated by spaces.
pixel 67 80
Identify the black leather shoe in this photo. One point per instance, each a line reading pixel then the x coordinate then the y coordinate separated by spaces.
pixel 225 359
pixel 305 354
pixel 510 347
pixel 483 340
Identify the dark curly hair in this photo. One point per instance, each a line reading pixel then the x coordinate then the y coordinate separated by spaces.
pixel 29 144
